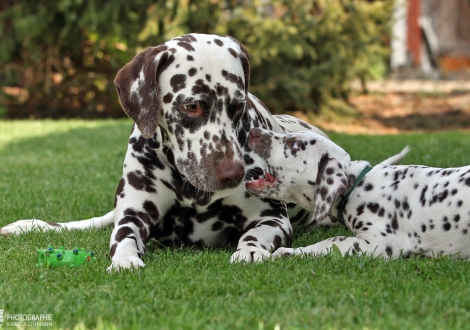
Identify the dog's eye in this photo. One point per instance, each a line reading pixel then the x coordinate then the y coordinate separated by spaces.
pixel 295 146
pixel 193 109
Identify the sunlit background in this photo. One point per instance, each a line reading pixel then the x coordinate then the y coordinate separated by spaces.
pixel 314 58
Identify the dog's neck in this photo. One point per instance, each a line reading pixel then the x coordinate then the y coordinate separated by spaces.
pixel 354 170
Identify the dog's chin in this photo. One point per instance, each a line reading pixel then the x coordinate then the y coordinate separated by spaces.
pixel 208 186
pixel 212 187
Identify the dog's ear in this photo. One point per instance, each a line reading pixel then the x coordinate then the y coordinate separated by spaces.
pixel 138 90
pixel 331 182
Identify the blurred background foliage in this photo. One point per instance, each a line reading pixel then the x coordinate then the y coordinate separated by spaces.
pixel 59 58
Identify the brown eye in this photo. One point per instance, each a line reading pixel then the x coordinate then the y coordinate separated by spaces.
pixel 295 146
pixel 193 109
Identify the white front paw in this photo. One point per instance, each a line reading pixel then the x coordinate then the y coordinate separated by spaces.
pixel 252 254
pixel 129 262
pixel 283 252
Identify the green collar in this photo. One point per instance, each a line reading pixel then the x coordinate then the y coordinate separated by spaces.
pixel 345 198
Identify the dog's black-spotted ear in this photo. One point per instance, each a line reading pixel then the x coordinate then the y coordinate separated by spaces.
pixel 138 90
pixel 331 182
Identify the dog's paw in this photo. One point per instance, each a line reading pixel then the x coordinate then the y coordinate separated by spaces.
pixel 23 226
pixel 283 252
pixel 251 254
pixel 129 262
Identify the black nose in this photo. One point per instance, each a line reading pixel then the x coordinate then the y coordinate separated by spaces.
pixel 230 173
pixel 255 133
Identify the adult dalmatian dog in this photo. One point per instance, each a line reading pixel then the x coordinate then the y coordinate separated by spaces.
pixel 187 156
pixel 392 210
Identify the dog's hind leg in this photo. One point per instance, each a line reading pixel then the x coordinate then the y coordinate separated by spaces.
pixel 23 226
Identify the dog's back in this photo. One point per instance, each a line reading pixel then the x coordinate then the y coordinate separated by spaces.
pixel 413 209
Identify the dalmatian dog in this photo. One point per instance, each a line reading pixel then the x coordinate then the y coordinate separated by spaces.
pixel 392 210
pixel 188 155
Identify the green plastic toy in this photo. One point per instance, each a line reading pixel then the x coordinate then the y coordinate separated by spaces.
pixel 51 257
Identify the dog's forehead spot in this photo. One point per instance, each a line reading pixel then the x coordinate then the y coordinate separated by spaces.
pixel 168 98
pixel 206 55
pixel 233 52
pixel 186 46
pixel 191 82
pixel 200 88
pixel 178 82
pixel 186 41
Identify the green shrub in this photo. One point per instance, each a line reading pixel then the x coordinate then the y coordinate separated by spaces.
pixel 62 56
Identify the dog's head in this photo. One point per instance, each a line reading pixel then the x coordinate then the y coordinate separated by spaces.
pixel 194 87
pixel 303 167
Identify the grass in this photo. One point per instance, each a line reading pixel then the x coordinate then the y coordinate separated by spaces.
pixel 65 170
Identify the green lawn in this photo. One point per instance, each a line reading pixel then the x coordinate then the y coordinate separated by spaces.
pixel 66 170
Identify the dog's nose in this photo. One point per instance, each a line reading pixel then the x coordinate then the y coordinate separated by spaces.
pixel 230 173
pixel 255 133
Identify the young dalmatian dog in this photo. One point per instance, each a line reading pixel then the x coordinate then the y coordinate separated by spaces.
pixel 187 156
pixel 392 210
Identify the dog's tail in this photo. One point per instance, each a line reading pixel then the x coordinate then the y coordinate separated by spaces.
pixel 23 226
pixel 396 159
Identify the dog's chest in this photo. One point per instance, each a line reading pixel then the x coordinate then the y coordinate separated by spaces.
pixel 218 223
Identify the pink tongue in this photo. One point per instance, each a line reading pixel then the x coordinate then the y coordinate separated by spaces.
pixel 269 177
pixel 261 183
pixel 257 184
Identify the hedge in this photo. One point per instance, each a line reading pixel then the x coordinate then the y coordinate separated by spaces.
pixel 59 58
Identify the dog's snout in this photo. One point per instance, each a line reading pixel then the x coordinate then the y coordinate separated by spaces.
pixel 255 133
pixel 254 136
pixel 230 173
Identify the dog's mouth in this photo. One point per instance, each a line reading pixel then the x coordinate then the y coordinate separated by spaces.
pixel 261 183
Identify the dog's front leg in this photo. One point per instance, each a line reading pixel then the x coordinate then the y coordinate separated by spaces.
pixel 347 246
pixel 140 201
pixel 267 235
pixel 127 248
pixel 134 219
